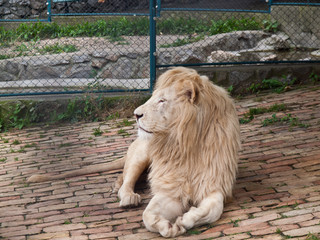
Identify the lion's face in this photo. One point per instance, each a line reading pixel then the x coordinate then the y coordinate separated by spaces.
pixel 157 113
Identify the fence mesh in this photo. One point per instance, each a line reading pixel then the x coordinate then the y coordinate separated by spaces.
pixel 96 45
pixel 99 6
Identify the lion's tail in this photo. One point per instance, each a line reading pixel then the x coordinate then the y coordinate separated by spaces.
pixel 118 164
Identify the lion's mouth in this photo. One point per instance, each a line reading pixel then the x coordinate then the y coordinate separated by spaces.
pixel 141 128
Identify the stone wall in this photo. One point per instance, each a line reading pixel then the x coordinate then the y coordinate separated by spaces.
pixel 25 9
pixel 21 9
pixel 130 69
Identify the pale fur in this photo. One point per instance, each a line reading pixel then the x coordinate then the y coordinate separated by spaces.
pixel 189 138
pixel 193 151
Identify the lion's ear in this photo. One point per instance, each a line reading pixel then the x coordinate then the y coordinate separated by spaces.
pixel 191 91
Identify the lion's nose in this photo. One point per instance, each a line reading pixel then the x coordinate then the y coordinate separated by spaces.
pixel 138 116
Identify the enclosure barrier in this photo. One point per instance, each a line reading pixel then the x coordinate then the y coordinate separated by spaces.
pixel 117 46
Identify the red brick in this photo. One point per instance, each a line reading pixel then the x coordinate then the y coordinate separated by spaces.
pixel 270 196
pixel 96 230
pixel 291 220
pixel 109 235
pixel 247 228
pixel 258 220
pixel 65 227
pixel 271 230
pixel 10 233
pixel 303 231
pixel 274 170
pixel 218 228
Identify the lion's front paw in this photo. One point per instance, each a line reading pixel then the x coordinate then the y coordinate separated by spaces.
pixel 172 230
pixel 187 220
pixel 130 200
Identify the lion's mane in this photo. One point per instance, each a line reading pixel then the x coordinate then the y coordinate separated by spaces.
pixel 198 153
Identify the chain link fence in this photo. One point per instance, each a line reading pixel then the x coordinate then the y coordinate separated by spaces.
pixel 105 45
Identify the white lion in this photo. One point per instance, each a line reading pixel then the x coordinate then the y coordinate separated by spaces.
pixel 189 139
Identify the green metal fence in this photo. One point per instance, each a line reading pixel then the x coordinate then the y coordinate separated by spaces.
pixel 118 46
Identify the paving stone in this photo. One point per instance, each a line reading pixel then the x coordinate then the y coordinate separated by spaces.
pixel 303 231
pixel 277 187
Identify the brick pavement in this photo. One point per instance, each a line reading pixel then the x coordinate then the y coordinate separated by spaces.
pixel 276 195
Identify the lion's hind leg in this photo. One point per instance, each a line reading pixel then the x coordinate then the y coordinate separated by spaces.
pixel 160 215
pixel 208 211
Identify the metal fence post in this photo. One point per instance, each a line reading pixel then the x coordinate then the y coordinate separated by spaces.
pixel 49 10
pixel 152 16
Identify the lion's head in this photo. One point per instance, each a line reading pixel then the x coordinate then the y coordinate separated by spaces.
pixel 190 120
pixel 176 93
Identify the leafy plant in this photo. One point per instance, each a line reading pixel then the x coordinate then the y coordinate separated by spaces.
pixel 274 84
pixel 97 132
pixel 314 77
pixel 5 56
pixel 230 89
pixel 233 24
pixel 270 25
pixel 16 142
pixel 117 27
pixel 249 116
pixel 125 123
pixel 287 118
pixel 57 48
pixel 16 115
pixel 311 236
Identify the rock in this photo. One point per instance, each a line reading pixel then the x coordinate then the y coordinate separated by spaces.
pixel 272 57
pixel 187 57
pixel 37 5
pixel 316 53
pixel 80 57
pixel 41 72
pixel 4 76
pixel 278 42
pixel 223 56
pixel 98 62
pixel 12 67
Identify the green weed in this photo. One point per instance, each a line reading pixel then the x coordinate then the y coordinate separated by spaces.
pixel 311 236
pixel 123 132
pixel 193 232
pixel 270 26
pixel 67 222
pixel 16 142
pixel 30 145
pixel 117 27
pixel 274 84
pixel 314 77
pixel 5 56
pixel 97 132
pixel 57 48
pixel 64 145
pixel 248 117
pixel 235 222
pixel 125 123
pixel 16 114
pixel 285 119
